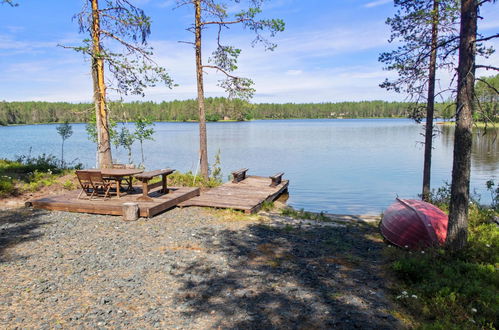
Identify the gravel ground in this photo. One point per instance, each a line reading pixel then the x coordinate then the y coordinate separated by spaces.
pixel 189 268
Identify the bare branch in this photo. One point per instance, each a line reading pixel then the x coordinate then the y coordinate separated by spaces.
pixel 487 67
pixel 221 70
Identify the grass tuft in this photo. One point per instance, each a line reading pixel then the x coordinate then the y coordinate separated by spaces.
pixel 453 291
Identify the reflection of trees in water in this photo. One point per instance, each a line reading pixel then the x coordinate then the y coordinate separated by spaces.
pixel 485 147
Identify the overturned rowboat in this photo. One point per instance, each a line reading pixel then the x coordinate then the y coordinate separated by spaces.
pixel 414 224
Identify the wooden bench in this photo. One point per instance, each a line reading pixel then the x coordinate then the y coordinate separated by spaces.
pixel 276 179
pixel 145 177
pixel 239 175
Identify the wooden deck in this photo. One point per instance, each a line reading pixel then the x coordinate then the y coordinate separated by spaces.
pixel 247 195
pixel 113 206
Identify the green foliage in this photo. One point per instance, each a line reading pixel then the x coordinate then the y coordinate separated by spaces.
pixel 302 214
pixel 41 163
pixel 267 206
pixel 68 185
pixel 143 131
pixel 216 109
pixel 487 98
pixel 190 180
pixel 494 193
pixel 224 58
pixel 28 174
pixel 123 34
pixel 37 180
pixel 440 196
pixel 216 169
pixel 213 117
pixel 65 130
pixel 91 128
pixel 7 186
pixel 411 27
pixel 126 139
pixel 453 290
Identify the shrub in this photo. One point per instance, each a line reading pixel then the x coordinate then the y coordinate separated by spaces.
pixel 453 291
pixel 190 180
pixel 6 186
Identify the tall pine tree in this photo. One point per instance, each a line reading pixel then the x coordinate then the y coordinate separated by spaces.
pixel 224 59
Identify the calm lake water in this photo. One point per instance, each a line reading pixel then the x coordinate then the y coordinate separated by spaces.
pixel 355 166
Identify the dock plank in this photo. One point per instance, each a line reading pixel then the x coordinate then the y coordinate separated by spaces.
pixel 247 195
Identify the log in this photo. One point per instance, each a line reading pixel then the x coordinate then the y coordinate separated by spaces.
pixel 130 211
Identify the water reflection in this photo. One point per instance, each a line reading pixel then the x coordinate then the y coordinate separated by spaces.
pixel 484 151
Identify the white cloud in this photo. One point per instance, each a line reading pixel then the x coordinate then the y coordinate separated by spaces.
pixel 377 3
pixel 294 72
pixel 166 4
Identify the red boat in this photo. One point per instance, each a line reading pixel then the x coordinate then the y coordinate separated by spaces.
pixel 414 224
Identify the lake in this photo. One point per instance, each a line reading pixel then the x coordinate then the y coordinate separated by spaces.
pixel 349 166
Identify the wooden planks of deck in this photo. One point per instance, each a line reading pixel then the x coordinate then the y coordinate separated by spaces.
pixel 247 195
pixel 160 202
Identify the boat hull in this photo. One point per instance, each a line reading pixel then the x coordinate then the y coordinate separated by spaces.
pixel 414 224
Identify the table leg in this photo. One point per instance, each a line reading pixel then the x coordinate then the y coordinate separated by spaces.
pixel 164 188
pixel 130 183
pixel 145 189
pixel 118 187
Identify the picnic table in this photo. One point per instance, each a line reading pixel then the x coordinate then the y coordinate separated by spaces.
pixel 118 174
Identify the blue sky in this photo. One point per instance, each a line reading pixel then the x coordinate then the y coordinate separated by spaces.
pixel 328 52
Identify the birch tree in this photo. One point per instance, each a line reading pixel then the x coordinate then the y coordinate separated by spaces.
pixel 224 59
pixel 118 33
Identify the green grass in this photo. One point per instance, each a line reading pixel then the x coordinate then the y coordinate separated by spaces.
pixel 302 214
pixel 453 291
pixel 478 124
pixel 28 174
pixel 190 180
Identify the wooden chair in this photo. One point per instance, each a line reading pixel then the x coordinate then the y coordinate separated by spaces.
pixel 100 184
pixel 85 183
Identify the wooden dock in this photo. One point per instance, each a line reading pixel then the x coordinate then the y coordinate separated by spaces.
pixel 114 206
pixel 247 195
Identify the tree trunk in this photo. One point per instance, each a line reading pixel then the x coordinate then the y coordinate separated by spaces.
pixel 203 147
pixel 130 211
pixel 101 113
pixel 62 154
pixel 430 105
pixel 142 152
pixel 457 231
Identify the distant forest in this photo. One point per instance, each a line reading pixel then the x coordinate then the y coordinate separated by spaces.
pixel 12 113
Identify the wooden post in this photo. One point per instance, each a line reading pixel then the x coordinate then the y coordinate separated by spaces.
pixel 130 211
pixel 164 189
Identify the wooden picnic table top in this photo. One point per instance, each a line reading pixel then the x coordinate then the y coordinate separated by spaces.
pixel 151 174
pixel 117 172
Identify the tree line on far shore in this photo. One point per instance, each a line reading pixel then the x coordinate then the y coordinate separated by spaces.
pixel 219 108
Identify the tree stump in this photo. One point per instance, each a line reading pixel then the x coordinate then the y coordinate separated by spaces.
pixel 130 211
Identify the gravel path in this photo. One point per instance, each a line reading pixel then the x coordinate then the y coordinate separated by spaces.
pixel 189 268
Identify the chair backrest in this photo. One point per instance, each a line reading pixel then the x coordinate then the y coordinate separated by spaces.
pixel 84 177
pixel 96 178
